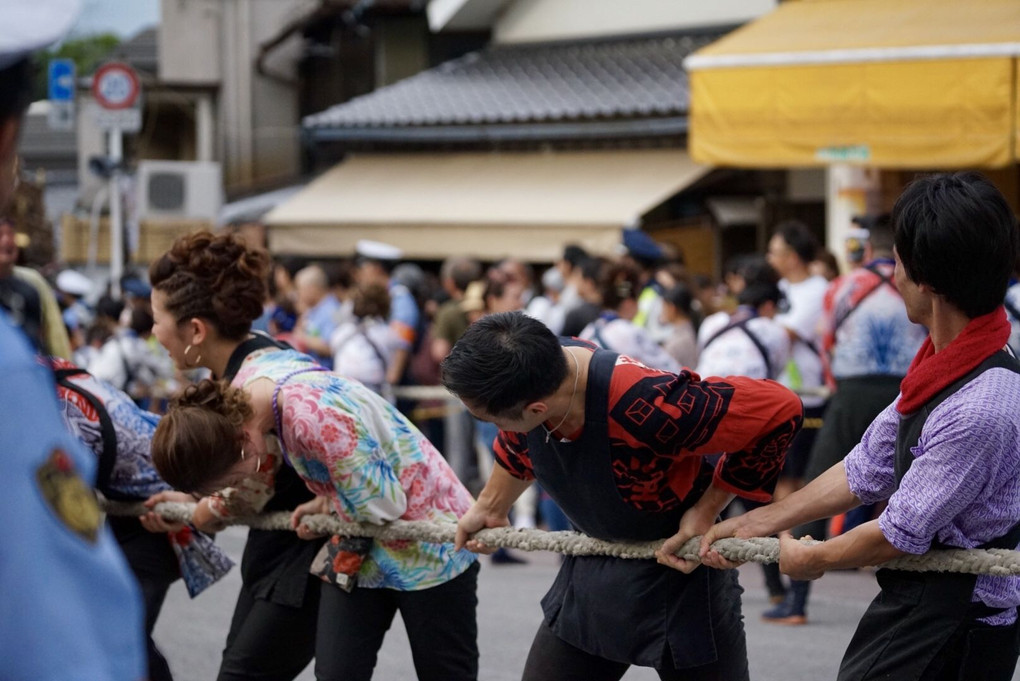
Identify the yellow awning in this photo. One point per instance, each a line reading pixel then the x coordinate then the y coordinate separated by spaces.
pixel 485 205
pixel 885 83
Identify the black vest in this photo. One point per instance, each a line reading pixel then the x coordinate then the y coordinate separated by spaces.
pixel 634 611
pixel 911 624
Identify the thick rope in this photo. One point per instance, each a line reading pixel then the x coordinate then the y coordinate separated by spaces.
pixel 999 562
pixel 438 392
pixel 424 392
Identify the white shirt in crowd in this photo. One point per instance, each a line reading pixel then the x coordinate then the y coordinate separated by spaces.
pixel 364 350
pixel 130 363
pixel 624 338
pixel 1013 298
pixel 804 369
pixel 733 353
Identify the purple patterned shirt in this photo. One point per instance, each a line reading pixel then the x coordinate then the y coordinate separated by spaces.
pixel 963 487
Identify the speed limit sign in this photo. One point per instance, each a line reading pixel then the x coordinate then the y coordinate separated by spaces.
pixel 117 93
pixel 115 86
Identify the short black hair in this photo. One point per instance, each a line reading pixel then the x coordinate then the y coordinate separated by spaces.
pixel 756 268
pixel 109 307
pixel 799 238
pixel 574 254
pixel 592 268
pixel 757 293
pixel 141 321
pixel 957 234
pixel 679 295
pixel 16 88
pixel 503 362
pixel 880 235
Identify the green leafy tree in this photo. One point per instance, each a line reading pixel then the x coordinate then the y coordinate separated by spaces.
pixel 86 52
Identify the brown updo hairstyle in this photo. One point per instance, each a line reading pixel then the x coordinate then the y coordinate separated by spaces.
pixel 371 300
pixel 216 278
pixel 199 440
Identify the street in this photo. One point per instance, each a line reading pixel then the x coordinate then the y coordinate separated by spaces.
pixel 191 633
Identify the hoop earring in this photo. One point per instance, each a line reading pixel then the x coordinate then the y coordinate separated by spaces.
pixel 258 460
pixel 198 358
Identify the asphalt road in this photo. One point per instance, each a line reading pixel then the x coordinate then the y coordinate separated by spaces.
pixel 191 632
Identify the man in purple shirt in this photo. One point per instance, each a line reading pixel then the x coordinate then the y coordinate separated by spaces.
pixel 945 454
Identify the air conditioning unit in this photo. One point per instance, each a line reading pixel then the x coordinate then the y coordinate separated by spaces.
pixel 175 190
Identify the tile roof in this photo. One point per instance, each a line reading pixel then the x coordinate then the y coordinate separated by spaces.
pixel 141 51
pixel 539 83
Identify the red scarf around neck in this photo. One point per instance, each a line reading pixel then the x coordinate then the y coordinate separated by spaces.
pixel 932 372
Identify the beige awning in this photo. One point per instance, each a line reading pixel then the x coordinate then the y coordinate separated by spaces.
pixel 487 205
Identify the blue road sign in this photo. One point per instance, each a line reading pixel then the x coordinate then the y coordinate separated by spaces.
pixel 61 87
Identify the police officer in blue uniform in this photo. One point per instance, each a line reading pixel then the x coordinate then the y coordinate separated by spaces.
pixel 70 608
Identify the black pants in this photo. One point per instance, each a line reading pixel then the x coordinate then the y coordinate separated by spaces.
pixel 978 651
pixel 923 625
pixel 553 659
pixel 154 565
pixel 154 588
pixel 269 641
pixel 857 402
pixel 440 625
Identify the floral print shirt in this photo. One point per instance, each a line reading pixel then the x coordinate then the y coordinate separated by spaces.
pixel 353 447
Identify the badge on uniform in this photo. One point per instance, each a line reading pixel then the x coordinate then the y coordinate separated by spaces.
pixel 73 502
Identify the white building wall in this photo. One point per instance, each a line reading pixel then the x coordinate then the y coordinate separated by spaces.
pixel 189 41
pixel 275 124
pixel 217 42
pixel 545 20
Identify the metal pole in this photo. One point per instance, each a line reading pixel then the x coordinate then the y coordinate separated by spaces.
pixel 116 226
pixel 95 216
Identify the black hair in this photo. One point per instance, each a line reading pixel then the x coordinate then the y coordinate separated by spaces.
pixel 880 234
pixel 141 321
pixel 799 238
pixel 503 362
pixel 109 307
pixel 957 234
pixel 339 273
pixel 592 268
pixel 757 293
pixel 292 264
pixel 754 268
pixel 16 88
pixel 679 295
pixel 735 263
pixel 574 254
